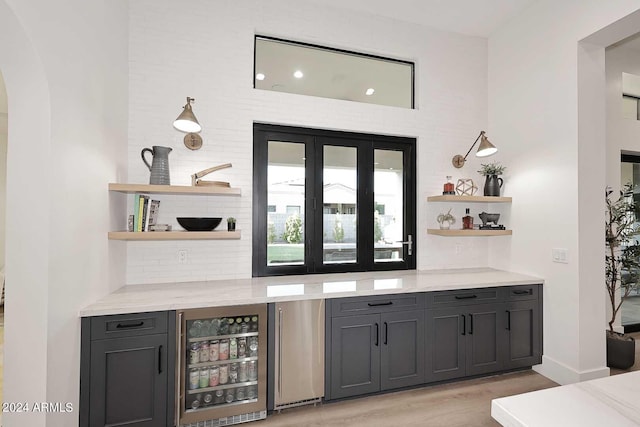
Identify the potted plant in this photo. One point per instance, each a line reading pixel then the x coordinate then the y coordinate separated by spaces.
pixel 622 268
pixel 446 220
pixel 231 224
pixel 492 183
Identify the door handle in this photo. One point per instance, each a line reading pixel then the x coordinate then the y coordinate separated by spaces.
pixel 508 320
pixel 280 317
pixel 386 332
pixel 178 386
pixel 464 325
pixel 470 324
pixel 409 243
pixel 160 359
pixel 377 334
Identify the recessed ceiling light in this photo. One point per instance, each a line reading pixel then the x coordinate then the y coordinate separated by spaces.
pixel 260 76
pixel 298 74
pixel 370 91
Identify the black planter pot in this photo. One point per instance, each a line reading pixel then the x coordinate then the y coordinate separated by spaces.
pixel 492 185
pixel 231 226
pixel 621 351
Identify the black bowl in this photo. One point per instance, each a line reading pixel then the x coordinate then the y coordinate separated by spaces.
pixel 198 224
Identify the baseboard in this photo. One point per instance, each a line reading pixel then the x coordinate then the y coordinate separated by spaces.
pixel 563 374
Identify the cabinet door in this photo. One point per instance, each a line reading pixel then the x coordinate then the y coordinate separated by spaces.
pixel 483 355
pixel 445 344
pixel 128 381
pixel 402 349
pixel 355 355
pixel 523 334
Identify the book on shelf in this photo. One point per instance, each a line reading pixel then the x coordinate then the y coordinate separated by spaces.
pixel 152 218
pixel 145 213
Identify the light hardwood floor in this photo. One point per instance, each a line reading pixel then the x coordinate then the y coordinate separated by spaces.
pixel 460 404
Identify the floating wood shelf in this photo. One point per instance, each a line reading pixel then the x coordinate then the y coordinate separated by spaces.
pixel 440 232
pixel 174 189
pixel 174 235
pixel 469 199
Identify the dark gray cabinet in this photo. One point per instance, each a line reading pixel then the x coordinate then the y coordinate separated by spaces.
pixel 127 370
pixel 523 327
pixel 380 350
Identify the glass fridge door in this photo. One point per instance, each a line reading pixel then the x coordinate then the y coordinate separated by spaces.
pixel 223 367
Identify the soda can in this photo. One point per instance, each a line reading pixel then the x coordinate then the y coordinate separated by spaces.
pixel 242 372
pixel 219 397
pixel 229 395
pixel 194 353
pixel 240 394
pixel 204 377
pixel 214 349
pixel 194 378
pixel 253 370
pixel 224 350
pixel 214 376
pixel 233 373
pixel 204 351
pixel 224 374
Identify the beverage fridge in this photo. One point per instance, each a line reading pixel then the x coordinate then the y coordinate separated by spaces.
pixel 221 365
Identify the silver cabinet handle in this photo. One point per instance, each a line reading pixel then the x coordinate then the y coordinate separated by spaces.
pixel 280 317
pixel 178 398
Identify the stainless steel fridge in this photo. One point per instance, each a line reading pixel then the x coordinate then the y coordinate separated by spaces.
pixel 221 365
pixel 298 349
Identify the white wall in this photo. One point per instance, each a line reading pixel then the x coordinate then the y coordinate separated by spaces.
pixel 3 166
pixel 546 109
pixel 65 69
pixel 204 49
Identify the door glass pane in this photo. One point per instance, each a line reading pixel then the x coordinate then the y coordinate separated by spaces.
pixel 339 189
pixel 388 211
pixel 286 195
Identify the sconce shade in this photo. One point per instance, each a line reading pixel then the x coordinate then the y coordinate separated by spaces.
pixel 186 121
pixel 486 148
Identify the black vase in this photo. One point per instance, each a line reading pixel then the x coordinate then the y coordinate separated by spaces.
pixel 621 353
pixel 231 226
pixel 492 185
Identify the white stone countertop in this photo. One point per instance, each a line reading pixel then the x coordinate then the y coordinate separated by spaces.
pixel 610 401
pixel 218 293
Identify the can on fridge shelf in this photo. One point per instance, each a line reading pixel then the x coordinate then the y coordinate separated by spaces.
pixel 208 399
pixel 242 347
pixel 242 372
pixel 204 377
pixel 253 326
pixel 214 349
pixel 204 351
pixel 194 353
pixel 224 374
pixel 229 395
pixel 253 346
pixel 253 370
pixel 233 348
pixel 252 392
pixel 194 378
pixel 214 376
pixel 233 373
pixel 219 397
pixel 240 394
pixel 224 349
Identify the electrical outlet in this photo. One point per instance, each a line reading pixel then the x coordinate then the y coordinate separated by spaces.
pixel 560 255
pixel 182 256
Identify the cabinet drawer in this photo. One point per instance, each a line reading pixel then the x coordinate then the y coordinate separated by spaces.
pixel 522 292
pixel 463 297
pixel 128 325
pixel 376 304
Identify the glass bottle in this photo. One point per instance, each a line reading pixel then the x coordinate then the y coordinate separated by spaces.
pixel 448 186
pixel 467 221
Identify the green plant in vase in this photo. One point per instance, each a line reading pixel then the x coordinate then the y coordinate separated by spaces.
pixel 492 183
pixel 231 223
pixel 446 220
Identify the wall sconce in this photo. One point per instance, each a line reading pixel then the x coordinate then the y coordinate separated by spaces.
pixel 186 121
pixel 485 149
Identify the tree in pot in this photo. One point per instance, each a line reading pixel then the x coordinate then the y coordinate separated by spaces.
pixel 622 268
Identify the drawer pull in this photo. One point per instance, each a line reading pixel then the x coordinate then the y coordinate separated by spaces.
pixel 464 325
pixel 129 325
pixel 466 296
pixel 160 359
pixel 386 332
pixel 377 334
pixel 508 320
pixel 471 324
pixel 378 304
pixel 527 292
